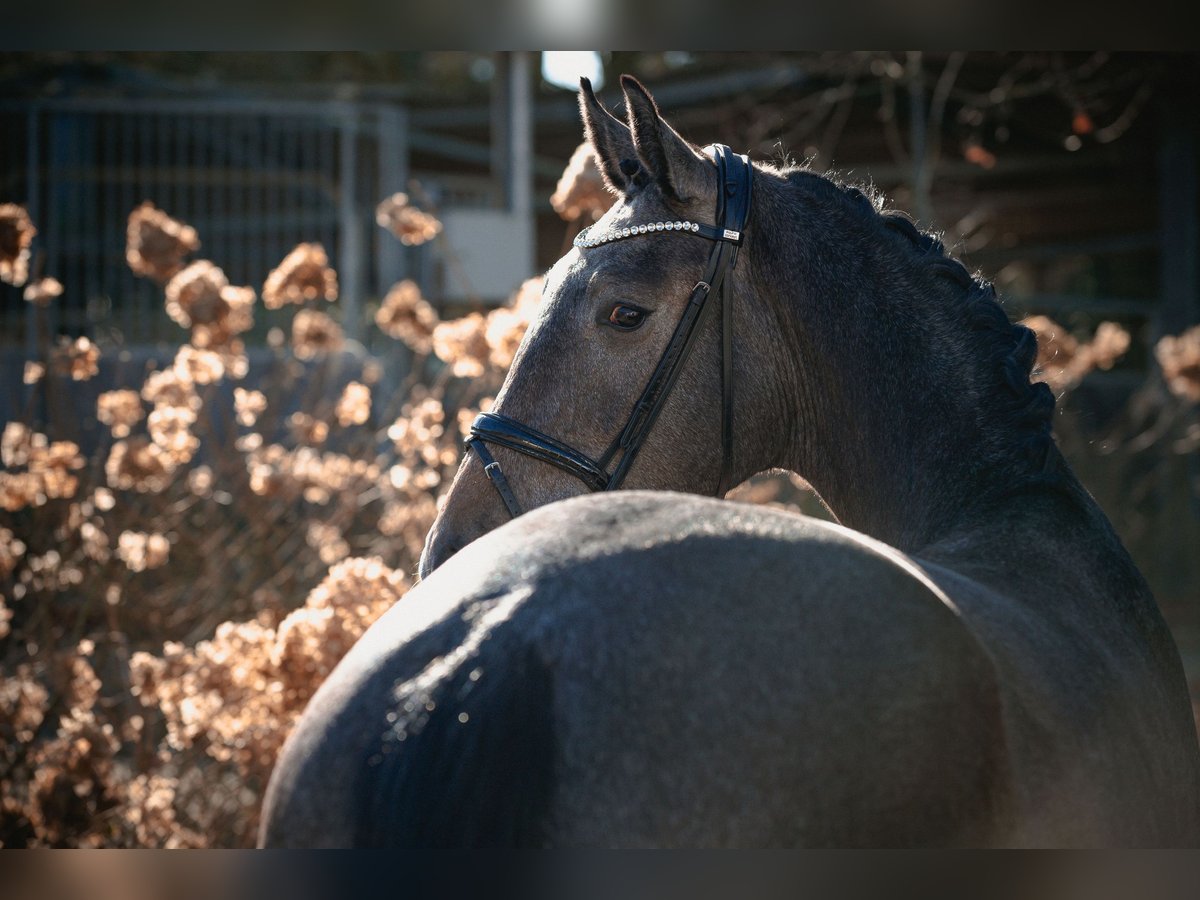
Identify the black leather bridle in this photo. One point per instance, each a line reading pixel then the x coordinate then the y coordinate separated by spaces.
pixel 734 177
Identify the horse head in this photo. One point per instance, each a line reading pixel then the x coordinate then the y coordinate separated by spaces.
pixel 625 378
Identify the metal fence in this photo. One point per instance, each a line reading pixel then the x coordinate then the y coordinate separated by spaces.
pixel 254 177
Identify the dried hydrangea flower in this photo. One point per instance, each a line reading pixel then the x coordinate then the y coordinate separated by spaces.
pixel 412 226
pixel 200 298
pixel 198 366
pixel 328 541
pixel 138 464
pixel 141 551
pixel 303 276
pixel 314 334
pixel 11 551
pixel 43 291
pixel 1179 358
pixel 462 343
pixel 34 372
pixel 170 428
pixel 307 430
pixel 406 316
pixel 354 406
pixel 79 358
pixel 119 410
pixel 155 244
pixel 248 405
pixel 581 192
pixel 16 235
pixel 171 387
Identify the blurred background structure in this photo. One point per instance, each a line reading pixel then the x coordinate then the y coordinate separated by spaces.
pixel 159 560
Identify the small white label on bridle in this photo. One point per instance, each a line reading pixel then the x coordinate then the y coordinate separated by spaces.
pixel 732 235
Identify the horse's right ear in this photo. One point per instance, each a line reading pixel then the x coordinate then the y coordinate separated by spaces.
pixel 610 139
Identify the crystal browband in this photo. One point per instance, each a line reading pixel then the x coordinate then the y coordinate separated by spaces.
pixel 585 238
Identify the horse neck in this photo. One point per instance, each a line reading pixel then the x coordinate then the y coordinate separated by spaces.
pixel 901 423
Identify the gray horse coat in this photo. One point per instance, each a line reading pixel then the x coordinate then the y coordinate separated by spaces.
pixel 564 682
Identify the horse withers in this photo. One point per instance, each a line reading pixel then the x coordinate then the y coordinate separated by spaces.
pixel 969 658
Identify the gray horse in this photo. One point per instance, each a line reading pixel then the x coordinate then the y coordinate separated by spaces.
pixel 969 658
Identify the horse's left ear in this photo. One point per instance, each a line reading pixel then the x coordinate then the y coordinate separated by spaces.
pixel 678 167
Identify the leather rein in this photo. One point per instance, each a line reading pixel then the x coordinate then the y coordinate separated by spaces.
pixel 734 177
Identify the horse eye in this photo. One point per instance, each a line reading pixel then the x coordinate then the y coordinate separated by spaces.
pixel 626 318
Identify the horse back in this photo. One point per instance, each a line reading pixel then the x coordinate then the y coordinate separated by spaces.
pixel 653 674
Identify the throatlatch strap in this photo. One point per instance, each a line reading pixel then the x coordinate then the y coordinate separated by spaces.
pixel 491 469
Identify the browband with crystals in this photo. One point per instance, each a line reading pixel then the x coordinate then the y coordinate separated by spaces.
pixel 585 238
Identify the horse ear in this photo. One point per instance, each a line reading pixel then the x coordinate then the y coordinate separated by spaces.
pixel 678 167
pixel 610 139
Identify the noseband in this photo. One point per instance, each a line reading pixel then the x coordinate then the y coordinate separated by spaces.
pixel 734 177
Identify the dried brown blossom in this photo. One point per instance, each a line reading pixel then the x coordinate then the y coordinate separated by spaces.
pixel 581 192
pixel 418 430
pixel 463 344
pixel 317 477
pixel 11 551
pixel 34 372
pixel 170 429
pixel 200 298
pixel 248 405
pixel 314 334
pixel 1179 358
pixel 303 276
pixel 409 519
pixel 79 358
pixel 354 406
pixel 327 540
pixel 198 366
pixel 16 234
pixel 49 467
pixel 155 244
pixel 119 410
pixel 307 430
pixel 406 316
pixel 1063 361
pixel 16 442
pixel 139 464
pixel 43 291
pixel 170 387
pixel 405 221
pixel 140 551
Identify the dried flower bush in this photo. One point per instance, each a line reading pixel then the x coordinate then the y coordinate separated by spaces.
pixel 157 643
pixel 16 235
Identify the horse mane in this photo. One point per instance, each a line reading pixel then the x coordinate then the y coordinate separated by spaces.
pixel 1009 350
